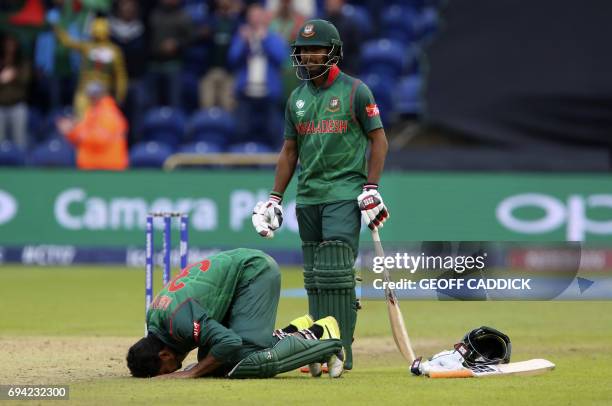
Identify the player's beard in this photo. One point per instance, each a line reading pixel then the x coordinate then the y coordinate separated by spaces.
pixel 303 73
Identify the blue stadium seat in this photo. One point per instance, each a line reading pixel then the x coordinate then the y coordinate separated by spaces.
pixel 250 148
pixel 360 17
pixel 200 147
pixel 213 125
pixel 11 154
pixel 197 10
pixel 35 123
pixel 382 89
pixel 428 24
pixel 53 152
pixel 407 94
pixel 400 23
pixel 190 95
pixel 149 154
pixel 165 125
pixel 47 128
pixel 384 57
pixel 416 5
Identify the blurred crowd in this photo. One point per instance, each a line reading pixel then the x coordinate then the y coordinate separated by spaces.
pixel 151 78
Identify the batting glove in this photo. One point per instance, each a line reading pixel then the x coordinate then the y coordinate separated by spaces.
pixel 450 360
pixel 268 216
pixel 373 210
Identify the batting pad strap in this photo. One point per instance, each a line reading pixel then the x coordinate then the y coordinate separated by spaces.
pixel 338 279
pixel 334 255
pixel 288 354
pixel 308 252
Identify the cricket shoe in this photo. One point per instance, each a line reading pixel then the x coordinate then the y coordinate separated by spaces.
pixel 302 322
pixel 335 364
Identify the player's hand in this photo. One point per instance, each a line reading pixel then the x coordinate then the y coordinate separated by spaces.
pixel 268 216
pixel 373 210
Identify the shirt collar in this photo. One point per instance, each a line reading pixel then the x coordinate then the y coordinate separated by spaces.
pixel 334 71
pixel 332 75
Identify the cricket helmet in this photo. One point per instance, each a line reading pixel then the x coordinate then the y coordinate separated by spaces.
pixel 320 33
pixel 485 346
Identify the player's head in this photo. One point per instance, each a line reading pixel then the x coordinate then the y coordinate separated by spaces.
pixel 100 29
pixel 316 49
pixel 151 357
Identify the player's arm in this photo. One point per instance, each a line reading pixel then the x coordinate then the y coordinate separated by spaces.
pixel 66 40
pixel 373 210
pixel 378 154
pixel 285 166
pixel 206 366
pixel 223 344
pixel 268 216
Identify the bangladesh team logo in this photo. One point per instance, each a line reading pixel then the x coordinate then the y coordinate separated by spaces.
pixel 334 104
pixel 308 31
pixel 299 104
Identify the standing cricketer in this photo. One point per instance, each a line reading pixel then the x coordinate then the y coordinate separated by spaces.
pixel 329 120
pixel 226 306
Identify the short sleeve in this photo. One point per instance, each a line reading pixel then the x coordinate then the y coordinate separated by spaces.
pixel 290 132
pixel 221 341
pixel 366 110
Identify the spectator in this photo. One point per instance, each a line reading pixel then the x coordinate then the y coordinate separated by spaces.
pixel 287 22
pixel 14 81
pixel 100 137
pixel 350 33
pixel 128 32
pixel 306 8
pixel 101 61
pixel 171 31
pixel 216 87
pixel 258 55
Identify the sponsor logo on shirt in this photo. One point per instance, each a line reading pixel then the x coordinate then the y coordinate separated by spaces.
pixel 161 302
pixel 308 31
pixel 196 331
pixel 372 110
pixel 334 104
pixel 322 127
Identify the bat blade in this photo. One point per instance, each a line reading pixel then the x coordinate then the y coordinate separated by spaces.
pixel 400 335
pixel 530 367
pixel 396 319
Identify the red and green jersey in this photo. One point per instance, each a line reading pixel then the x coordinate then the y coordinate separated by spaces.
pixel 331 125
pixel 188 312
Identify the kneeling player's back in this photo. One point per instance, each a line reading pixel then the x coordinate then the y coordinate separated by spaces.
pixel 212 282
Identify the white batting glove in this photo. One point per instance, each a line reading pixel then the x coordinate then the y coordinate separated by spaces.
pixel 373 210
pixel 268 216
pixel 450 360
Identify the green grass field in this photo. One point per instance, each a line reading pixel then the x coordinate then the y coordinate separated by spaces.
pixel 73 326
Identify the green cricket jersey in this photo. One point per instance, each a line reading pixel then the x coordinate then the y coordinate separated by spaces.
pixel 331 125
pixel 188 312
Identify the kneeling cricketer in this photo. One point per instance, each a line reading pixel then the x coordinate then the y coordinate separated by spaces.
pixel 225 306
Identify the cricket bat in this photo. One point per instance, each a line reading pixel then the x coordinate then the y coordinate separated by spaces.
pixel 530 367
pixel 400 335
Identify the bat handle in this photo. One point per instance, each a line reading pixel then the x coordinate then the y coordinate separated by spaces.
pixel 377 245
pixel 375 235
